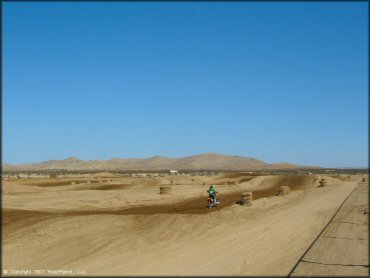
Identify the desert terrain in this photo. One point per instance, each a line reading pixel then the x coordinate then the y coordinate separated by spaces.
pixel 109 224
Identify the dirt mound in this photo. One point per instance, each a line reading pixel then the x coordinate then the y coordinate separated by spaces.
pixel 238 175
pixel 112 187
pixel 12 188
pixel 14 220
pixel 189 206
pixel 59 183
pixel 294 182
pixel 51 182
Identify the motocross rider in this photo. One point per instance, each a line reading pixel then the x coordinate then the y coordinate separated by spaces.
pixel 212 191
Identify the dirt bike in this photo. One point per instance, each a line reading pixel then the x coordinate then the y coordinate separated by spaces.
pixel 213 202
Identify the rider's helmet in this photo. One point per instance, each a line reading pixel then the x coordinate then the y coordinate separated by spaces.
pixel 212 186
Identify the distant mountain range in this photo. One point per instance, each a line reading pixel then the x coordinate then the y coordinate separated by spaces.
pixel 208 161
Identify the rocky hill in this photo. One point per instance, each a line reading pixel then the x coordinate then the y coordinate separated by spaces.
pixel 210 161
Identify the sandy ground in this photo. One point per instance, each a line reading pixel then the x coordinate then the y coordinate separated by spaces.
pixel 343 246
pixel 125 227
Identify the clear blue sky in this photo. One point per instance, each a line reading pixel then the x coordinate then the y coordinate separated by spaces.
pixel 274 81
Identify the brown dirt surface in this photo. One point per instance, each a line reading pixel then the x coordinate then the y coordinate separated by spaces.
pixel 98 226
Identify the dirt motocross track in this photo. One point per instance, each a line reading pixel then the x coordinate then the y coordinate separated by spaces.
pixel 125 227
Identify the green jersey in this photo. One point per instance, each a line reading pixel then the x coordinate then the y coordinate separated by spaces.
pixel 212 191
